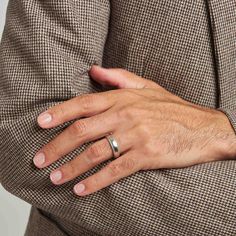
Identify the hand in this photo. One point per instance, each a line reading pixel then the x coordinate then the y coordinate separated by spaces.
pixel 154 129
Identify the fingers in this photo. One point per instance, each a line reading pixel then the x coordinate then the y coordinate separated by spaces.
pixel 79 132
pixel 121 167
pixel 91 104
pixel 120 78
pixel 77 107
pixel 95 154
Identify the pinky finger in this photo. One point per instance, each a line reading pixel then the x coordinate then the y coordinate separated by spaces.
pixel 121 167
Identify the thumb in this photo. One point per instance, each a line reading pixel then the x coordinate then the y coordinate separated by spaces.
pixel 119 78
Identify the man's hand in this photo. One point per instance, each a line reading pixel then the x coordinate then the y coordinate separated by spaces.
pixel 154 129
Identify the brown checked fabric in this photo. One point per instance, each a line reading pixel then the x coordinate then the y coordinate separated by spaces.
pixel 47 48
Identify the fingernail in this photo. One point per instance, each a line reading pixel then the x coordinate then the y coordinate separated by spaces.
pixel 44 118
pixel 56 176
pixel 39 159
pixel 79 188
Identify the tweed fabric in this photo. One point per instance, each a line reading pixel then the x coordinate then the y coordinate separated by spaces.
pixel 39 224
pixel 224 25
pixel 47 48
pixel 42 223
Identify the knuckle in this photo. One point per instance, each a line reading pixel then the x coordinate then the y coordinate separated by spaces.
pixel 127 164
pixel 94 153
pixel 143 130
pixel 79 128
pixel 120 113
pixel 149 149
pixel 52 149
pixel 125 112
pixel 70 169
pixel 113 169
pixel 87 102
pixel 124 165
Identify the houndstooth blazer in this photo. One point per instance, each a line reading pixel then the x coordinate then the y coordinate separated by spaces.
pixel 47 48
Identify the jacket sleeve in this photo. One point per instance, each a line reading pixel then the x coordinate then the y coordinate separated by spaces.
pixel 231 115
pixel 46 51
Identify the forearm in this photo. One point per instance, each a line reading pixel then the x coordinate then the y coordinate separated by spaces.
pixel 46 51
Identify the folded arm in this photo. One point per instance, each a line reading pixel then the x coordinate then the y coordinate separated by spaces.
pixel 46 51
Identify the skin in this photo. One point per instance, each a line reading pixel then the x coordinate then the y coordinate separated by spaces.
pixel 154 128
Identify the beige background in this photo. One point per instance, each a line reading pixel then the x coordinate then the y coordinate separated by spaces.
pixel 13 211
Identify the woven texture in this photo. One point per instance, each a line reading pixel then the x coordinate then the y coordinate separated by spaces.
pixel 47 48
pixel 39 224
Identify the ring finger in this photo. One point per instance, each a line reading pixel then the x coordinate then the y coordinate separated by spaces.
pixel 95 154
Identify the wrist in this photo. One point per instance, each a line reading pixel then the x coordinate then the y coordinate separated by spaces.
pixel 225 138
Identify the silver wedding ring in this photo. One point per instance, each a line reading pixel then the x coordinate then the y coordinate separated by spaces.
pixel 114 145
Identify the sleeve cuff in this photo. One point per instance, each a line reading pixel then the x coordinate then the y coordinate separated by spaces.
pixel 231 114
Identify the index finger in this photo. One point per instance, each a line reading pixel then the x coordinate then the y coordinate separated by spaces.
pixel 80 106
